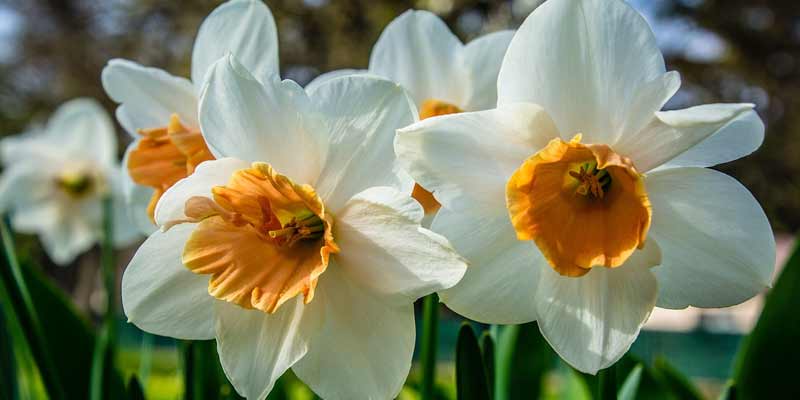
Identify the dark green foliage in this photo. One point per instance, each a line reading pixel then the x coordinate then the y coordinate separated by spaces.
pixel 471 381
pixel 767 363
pixel 524 356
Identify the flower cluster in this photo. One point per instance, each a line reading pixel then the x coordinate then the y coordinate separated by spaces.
pixel 528 175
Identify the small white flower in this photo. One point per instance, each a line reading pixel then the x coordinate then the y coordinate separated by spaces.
pixel 55 178
pixel 160 110
pixel 565 195
pixel 297 247
pixel 443 76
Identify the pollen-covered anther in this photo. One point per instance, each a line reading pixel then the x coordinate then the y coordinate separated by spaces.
pixel 592 181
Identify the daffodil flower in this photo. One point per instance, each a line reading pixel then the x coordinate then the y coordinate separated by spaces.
pixel 443 76
pixel 160 110
pixel 578 202
pixel 55 178
pixel 297 246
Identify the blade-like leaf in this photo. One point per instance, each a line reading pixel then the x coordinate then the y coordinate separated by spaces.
pixel 607 383
pixel 677 383
pixel 766 365
pixel 631 384
pixel 523 358
pixel 471 383
pixel 135 391
pixel 28 314
pixel 8 373
pixel 487 350
pixel 72 341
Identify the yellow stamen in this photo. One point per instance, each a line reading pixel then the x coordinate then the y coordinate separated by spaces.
pixel 76 184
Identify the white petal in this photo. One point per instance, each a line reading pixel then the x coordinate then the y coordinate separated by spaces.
pixel 361 114
pixel 500 284
pixel 23 184
pixel 326 76
pixel 70 237
pixel 482 59
pixel 32 146
pixel 648 99
pixel 137 197
pixel 472 155
pixel 592 321
pixel 161 296
pixel 718 248
pixel 148 96
pixel 256 348
pixel 740 137
pixel 419 52
pixel 244 28
pixel 383 246
pixel 271 122
pixel 207 175
pixel 364 349
pixel 671 133
pixel 126 231
pixel 82 130
pixel 583 61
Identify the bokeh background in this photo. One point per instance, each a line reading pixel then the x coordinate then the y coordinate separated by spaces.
pixel 725 50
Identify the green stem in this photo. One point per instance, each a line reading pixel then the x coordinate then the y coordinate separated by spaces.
pixel 607 384
pixel 29 317
pixel 104 345
pixel 99 357
pixel 504 358
pixel 145 359
pixel 108 263
pixel 430 322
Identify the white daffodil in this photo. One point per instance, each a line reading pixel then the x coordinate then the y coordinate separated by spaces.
pixel 55 179
pixel 443 76
pixel 578 202
pixel 160 110
pixel 302 199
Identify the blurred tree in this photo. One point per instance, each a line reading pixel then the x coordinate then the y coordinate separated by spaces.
pixel 53 50
pixel 760 64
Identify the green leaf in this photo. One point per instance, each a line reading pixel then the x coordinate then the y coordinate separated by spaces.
pixel 487 349
pixel 471 383
pixel 70 338
pixel 135 391
pixel 607 383
pixel 8 373
pixel 631 385
pixel 729 392
pixel 768 359
pixel 523 358
pixel 27 313
pixel 201 375
pixel 650 387
pixel 677 383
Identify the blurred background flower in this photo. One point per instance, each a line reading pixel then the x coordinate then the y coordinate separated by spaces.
pixel 726 51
